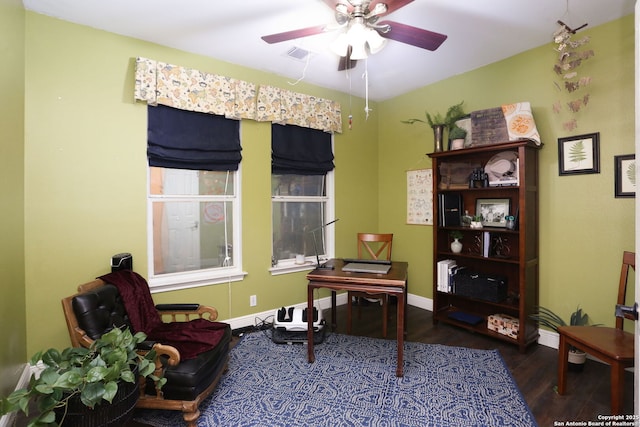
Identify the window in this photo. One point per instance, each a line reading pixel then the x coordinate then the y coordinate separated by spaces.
pixel 302 197
pixel 193 199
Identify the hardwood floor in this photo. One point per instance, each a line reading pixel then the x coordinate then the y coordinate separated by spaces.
pixel 535 371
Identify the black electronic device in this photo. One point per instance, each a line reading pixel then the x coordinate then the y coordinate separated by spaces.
pixel 478 179
pixel 123 261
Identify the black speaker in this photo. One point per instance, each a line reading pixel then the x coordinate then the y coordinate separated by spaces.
pixel 123 261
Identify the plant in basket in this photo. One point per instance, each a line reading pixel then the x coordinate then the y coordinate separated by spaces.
pixel 93 378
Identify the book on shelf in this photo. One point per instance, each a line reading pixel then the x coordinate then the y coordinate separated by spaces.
pixel 450 209
pixel 486 244
pixel 443 271
pixel 447 269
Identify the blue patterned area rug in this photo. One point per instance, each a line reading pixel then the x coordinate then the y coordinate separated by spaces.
pixel 353 383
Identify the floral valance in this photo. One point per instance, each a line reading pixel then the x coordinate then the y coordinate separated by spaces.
pixel 290 108
pixel 193 90
pixel 188 89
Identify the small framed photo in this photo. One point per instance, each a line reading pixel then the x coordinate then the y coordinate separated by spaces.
pixel 579 154
pixel 625 167
pixel 494 212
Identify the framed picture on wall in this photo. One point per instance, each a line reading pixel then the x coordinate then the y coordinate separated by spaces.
pixel 578 155
pixel 625 170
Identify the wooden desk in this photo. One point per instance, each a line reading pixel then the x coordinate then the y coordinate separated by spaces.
pixel 392 283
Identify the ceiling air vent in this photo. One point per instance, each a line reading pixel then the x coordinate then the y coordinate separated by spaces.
pixel 298 53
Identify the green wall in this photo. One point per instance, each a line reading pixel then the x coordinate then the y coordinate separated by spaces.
pixel 583 228
pixel 85 176
pixel 12 285
pixel 85 159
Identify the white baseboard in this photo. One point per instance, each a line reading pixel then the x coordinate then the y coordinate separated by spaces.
pixel 547 338
pixel 23 381
pixel 257 318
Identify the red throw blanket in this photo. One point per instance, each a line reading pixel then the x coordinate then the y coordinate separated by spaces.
pixel 190 338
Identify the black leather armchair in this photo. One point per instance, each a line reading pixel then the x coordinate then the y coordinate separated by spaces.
pixel 98 307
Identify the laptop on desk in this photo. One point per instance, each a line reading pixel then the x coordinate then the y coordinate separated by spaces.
pixel 367 266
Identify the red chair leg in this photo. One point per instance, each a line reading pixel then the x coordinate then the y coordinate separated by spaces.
pixel 617 388
pixel 563 364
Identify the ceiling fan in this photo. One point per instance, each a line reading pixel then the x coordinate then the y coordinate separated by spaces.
pixel 365 33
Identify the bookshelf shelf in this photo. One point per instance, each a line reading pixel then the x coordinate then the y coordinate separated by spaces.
pixel 506 261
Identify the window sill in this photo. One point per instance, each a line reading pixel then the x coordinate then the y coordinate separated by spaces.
pixel 292 268
pixel 175 282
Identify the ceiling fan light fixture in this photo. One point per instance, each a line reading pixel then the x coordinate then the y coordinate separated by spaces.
pixel 358 51
pixel 340 45
pixel 375 41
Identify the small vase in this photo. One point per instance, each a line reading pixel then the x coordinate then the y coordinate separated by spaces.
pixel 438 134
pixel 456 246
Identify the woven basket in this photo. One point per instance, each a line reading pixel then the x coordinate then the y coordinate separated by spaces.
pixel 116 414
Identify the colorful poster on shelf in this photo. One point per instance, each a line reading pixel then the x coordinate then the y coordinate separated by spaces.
pixel 420 197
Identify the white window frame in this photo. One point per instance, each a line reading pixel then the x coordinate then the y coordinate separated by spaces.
pixel 211 276
pixel 289 266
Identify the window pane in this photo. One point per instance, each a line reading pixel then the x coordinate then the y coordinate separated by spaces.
pixel 298 185
pixel 293 223
pixel 182 182
pixel 191 235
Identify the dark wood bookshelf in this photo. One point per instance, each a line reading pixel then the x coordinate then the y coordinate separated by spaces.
pixel 511 254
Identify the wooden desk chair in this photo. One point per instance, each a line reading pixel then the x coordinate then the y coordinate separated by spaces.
pixel 372 246
pixel 611 345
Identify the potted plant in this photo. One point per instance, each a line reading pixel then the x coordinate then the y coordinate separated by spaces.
pixel 86 379
pixel 551 320
pixel 456 245
pixel 439 122
pixel 476 221
pixel 456 136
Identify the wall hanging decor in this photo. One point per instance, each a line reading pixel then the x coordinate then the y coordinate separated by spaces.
pixel 420 197
pixel 625 167
pixel 579 154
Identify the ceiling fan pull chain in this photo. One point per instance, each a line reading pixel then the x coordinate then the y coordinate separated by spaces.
pixel 365 76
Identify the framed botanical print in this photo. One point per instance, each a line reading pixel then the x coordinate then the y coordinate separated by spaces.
pixel 579 154
pixel 625 170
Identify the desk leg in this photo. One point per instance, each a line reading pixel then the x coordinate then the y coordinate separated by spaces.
pixel 563 364
pixel 310 354
pixel 400 334
pixel 406 302
pixel 334 320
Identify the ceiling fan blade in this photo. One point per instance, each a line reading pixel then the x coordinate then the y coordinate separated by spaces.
pixel 414 36
pixel 346 63
pixel 294 34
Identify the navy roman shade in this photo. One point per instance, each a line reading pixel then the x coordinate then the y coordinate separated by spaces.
pixel 300 151
pixel 181 139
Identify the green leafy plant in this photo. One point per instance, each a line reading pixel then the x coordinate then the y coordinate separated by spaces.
pixel 551 320
pixel 453 114
pixel 92 373
pixel 456 234
pixel 457 133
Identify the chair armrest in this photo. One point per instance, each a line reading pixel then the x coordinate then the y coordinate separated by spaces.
pixel 186 312
pixel 172 354
pixel 177 307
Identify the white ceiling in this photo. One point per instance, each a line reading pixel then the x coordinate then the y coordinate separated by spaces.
pixel 479 32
